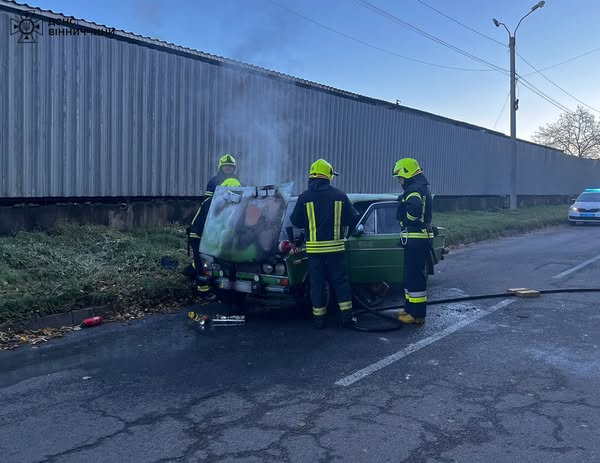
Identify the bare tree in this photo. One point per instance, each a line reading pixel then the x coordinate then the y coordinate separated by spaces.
pixel 576 133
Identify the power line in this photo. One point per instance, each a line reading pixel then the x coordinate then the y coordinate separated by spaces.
pixel 421 32
pixel 537 71
pixel 525 82
pixel 461 24
pixel 564 62
pixel 541 94
pixel 374 46
pixel 502 110
pixel 425 34
pixel 557 86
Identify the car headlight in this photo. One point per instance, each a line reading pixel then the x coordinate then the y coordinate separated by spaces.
pixel 267 268
pixel 280 268
pixel 574 209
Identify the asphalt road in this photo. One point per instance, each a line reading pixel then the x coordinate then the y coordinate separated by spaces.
pixel 505 380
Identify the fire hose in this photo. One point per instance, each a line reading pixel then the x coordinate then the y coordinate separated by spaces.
pixel 397 324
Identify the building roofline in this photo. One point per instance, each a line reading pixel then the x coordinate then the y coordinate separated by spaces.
pixel 119 34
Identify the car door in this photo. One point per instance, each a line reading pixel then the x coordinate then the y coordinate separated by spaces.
pixel 372 251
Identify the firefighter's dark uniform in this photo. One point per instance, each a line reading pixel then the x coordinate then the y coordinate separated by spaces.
pixel 323 212
pixel 414 215
pixel 199 220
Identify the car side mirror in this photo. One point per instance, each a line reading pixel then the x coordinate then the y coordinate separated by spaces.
pixel 359 230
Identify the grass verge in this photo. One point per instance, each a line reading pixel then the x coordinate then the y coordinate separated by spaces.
pixel 465 227
pixel 75 266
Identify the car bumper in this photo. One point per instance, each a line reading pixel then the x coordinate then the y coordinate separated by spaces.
pixel 592 217
pixel 248 287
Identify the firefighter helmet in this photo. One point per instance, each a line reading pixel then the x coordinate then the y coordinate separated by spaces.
pixel 321 169
pixel 227 160
pixel 231 182
pixel 407 168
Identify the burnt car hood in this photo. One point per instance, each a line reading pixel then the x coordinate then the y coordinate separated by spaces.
pixel 244 223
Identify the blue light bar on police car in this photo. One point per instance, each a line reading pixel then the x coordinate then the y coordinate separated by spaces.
pixel 592 190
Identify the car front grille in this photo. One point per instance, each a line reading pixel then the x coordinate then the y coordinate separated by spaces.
pixel 589 210
pixel 247 268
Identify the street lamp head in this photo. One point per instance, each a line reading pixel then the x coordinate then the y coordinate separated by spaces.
pixel 496 22
pixel 538 5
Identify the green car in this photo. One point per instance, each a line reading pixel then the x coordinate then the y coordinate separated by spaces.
pixel 251 248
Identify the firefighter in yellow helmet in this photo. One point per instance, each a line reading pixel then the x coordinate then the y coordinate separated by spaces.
pixel 323 212
pixel 226 176
pixel 414 214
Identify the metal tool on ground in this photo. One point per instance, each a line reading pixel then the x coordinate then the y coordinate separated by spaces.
pixel 217 320
pixel 223 320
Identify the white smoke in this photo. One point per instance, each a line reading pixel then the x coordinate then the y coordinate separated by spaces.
pixel 256 121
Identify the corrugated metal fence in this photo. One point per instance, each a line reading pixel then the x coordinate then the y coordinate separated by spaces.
pixel 119 115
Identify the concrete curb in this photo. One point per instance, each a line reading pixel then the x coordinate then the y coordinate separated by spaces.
pixel 72 317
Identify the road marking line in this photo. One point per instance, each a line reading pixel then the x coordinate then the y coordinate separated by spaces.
pixel 360 374
pixel 577 267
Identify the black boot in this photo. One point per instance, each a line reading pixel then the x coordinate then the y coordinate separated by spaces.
pixel 347 318
pixel 319 321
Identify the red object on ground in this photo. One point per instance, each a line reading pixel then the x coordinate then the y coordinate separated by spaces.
pixel 93 321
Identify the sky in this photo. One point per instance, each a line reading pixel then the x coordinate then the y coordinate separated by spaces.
pixel 343 44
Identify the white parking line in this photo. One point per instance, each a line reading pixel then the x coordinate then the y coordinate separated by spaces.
pixel 577 267
pixel 360 374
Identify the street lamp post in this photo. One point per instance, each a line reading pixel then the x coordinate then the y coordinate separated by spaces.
pixel 514 103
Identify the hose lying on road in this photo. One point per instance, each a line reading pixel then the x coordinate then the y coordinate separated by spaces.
pixel 398 324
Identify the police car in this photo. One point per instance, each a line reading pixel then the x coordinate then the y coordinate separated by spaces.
pixel 586 209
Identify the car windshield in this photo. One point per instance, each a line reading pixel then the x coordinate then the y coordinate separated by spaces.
pixel 589 198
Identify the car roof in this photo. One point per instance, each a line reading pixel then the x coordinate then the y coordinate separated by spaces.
pixel 357 197
pixel 360 197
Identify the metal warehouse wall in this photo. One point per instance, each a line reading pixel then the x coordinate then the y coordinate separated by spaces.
pixel 101 116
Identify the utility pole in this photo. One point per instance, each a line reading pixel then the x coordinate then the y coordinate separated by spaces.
pixel 513 125
pixel 514 103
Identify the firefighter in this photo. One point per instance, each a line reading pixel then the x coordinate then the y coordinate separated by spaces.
pixel 416 237
pixel 323 212
pixel 226 177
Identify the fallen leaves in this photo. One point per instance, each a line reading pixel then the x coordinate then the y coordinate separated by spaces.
pixel 138 311
pixel 11 340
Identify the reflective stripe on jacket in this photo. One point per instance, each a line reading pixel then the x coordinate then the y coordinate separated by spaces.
pixel 323 212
